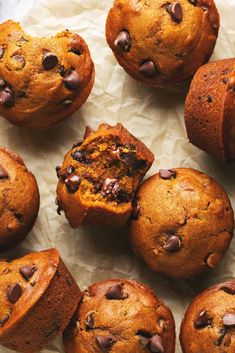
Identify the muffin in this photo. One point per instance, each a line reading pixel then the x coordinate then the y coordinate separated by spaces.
pixel 19 200
pixel 162 43
pixel 209 322
pixel 100 175
pixel 38 297
pixel 120 316
pixel 42 80
pixel 210 109
pixel 182 223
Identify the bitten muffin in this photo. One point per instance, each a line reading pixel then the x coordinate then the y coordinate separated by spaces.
pixel 38 297
pixel 120 316
pixel 209 323
pixel 182 223
pixel 162 43
pixel 100 175
pixel 42 80
pixel 210 109
pixel 19 200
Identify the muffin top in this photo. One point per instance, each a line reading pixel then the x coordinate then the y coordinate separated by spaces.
pixel 162 43
pixel 120 316
pixel 19 199
pixel 42 80
pixel 183 222
pixel 209 323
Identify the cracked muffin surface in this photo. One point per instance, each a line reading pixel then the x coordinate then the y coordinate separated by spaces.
pixel 162 43
pixel 100 175
pixel 182 223
pixel 209 322
pixel 120 316
pixel 38 297
pixel 42 80
pixel 210 109
pixel 19 200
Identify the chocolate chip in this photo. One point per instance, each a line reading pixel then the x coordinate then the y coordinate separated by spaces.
pixel 144 337
pixel 72 183
pixel 167 173
pixel 229 319
pixel 209 99
pixel 105 342
pixel 90 321
pixel 156 345
pixel 14 293
pixel 148 69
pixel 33 283
pixel 81 156
pixel 59 208
pixel 173 244
pixel 72 81
pixel 135 209
pixel 193 2
pixel 3 173
pixel 67 102
pixel 175 10
pixel 203 320
pixel 77 144
pixel 49 61
pixel 204 8
pixel 109 186
pixel 89 131
pixel 219 341
pixel 4 320
pixel 2 83
pixel 123 40
pixel 2 52
pixel 115 154
pixel 7 97
pixel 28 271
pixel 65 172
pixel 116 292
pixel 75 51
pixel 228 290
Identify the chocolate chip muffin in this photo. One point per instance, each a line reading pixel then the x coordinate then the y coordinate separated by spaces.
pixel 162 43
pixel 42 80
pixel 182 223
pixel 19 200
pixel 210 109
pixel 38 297
pixel 209 322
pixel 120 316
pixel 100 175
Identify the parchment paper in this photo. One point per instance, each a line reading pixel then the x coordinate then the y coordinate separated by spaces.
pixel 155 116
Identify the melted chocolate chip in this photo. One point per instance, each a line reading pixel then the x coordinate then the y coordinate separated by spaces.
pixel 90 321
pixel 135 209
pixel 209 99
pixel 65 172
pixel 89 131
pixel 219 341
pixel 115 154
pixel 28 271
pixel 229 320
pixel 49 61
pixel 81 156
pixel 72 81
pixel 148 69
pixel 72 183
pixel 144 337
pixel 14 293
pixel 105 342
pixel 176 11
pixel 7 97
pixel 167 173
pixel 193 2
pixel 228 290
pixel 123 41
pixel 4 320
pixel 75 51
pixel 77 144
pixel 2 52
pixel 156 344
pixel 173 244
pixel 203 320
pixel 116 292
pixel 3 173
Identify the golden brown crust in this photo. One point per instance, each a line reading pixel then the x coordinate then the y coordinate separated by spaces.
pixel 177 48
pixel 48 301
pixel 185 223
pixel 41 98
pixel 131 321
pixel 210 109
pixel 19 200
pixel 88 204
pixel 208 333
